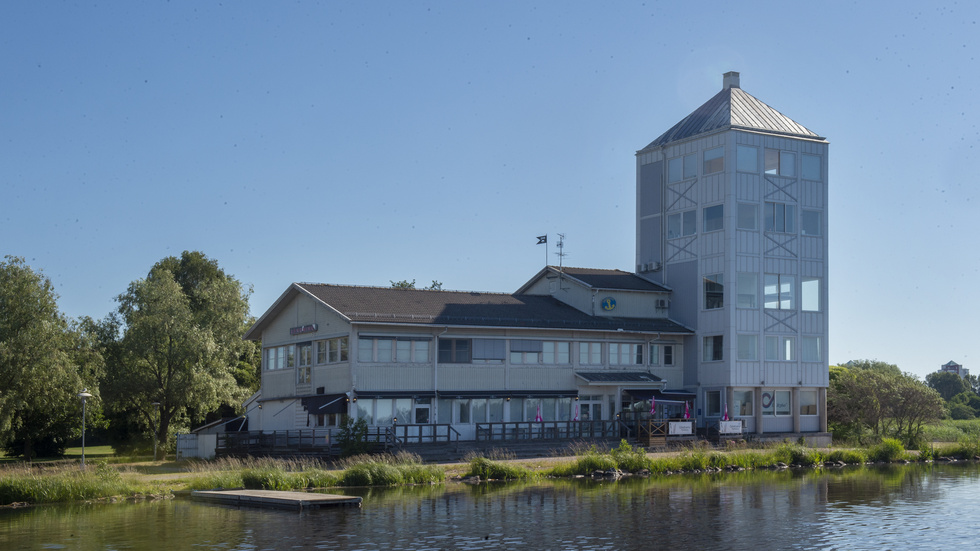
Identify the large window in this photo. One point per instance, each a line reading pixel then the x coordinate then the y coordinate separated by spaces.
pixel 811 349
pixel 810 222
pixel 489 351
pixel 748 216
pixel 280 357
pixel 305 362
pixel 590 353
pixel 332 350
pixel 811 167
pixel 712 403
pixel 780 349
pixel 810 294
pixel 625 354
pixel 743 403
pixel 747 158
pixel 780 217
pixel 782 163
pixel 714 291
pixel 714 218
pixel 779 292
pixel 776 402
pixel 714 160
pixel 713 347
pixel 375 349
pixel 681 224
pixel 668 354
pixel 747 288
pixel 412 350
pixel 454 351
pixel 808 402
pixel 681 168
pixel 748 347
pixel 539 352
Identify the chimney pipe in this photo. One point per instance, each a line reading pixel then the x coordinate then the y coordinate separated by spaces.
pixel 730 80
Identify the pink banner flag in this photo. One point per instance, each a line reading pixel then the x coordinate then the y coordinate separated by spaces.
pixel 725 418
pixel 687 412
pixel 576 413
pixel 538 416
pixel 653 405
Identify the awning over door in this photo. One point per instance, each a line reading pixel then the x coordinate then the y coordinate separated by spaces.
pixel 665 396
pixel 325 403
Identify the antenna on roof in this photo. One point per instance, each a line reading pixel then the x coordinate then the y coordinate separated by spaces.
pixel 561 258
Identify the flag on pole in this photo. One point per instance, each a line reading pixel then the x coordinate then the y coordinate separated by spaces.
pixel 687 412
pixel 538 416
pixel 576 413
pixel 725 418
pixel 653 405
pixel 542 239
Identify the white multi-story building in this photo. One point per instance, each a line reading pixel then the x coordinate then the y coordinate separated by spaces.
pixel 726 314
pixel 732 216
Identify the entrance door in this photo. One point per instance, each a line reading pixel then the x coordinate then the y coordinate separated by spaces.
pixel 590 408
pixel 423 409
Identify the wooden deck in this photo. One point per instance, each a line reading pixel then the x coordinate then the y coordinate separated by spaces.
pixel 275 499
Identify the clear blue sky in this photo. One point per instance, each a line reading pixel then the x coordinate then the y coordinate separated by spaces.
pixel 365 142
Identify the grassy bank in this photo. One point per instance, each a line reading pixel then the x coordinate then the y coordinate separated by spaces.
pixel 65 482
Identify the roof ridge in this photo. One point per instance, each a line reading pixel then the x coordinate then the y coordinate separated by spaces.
pixel 378 287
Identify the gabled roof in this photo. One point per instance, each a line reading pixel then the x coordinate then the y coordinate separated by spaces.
pixel 736 109
pixel 386 305
pixel 595 278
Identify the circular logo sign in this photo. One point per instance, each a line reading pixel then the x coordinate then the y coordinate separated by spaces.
pixel 608 304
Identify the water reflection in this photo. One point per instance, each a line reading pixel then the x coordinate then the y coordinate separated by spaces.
pixel 860 508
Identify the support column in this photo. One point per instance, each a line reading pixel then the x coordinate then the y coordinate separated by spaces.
pixel 795 404
pixel 822 407
pixel 758 410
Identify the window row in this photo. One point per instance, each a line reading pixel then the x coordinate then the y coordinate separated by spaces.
pixel 777 162
pixel 385 411
pixel 779 218
pixel 686 166
pixel 773 402
pixel 779 292
pixel 684 223
pixel 778 348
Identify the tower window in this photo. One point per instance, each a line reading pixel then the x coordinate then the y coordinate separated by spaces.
pixel 714 160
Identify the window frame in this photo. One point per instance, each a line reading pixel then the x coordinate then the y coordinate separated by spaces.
pixel 713 348
pixel 782 280
pixel 713 291
pixel 590 353
pixel 779 217
pixel 745 338
pixel 810 223
pixel 715 163
pixel 745 290
pixel 625 353
pixel 713 218
pixel 780 348
pixel 452 353
pixel 686 222
pixel 742 154
pixel 740 216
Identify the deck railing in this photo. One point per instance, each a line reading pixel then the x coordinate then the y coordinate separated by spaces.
pixel 546 430
pixel 287 442
pixel 397 436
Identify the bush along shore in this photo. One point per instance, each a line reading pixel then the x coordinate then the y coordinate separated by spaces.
pixel 26 484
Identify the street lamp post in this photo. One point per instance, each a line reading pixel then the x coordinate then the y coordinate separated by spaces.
pixel 84 395
pixel 155 429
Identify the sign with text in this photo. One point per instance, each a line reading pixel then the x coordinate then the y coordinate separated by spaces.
pixel 729 427
pixel 303 329
pixel 680 428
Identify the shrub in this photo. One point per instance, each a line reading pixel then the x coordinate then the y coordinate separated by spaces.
pixel 353 437
pixel 629 459
pixel 851 457
pixel 488 469
pixel 888 450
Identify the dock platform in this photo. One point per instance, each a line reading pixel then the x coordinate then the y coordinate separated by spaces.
pixel 275 499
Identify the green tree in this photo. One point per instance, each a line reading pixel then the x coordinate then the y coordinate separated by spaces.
pixel 181 344
pixel 946 384
pixel 874 365
pixel 406 284
pixel 880 401
pixel 45 361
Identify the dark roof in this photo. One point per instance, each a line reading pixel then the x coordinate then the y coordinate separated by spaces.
pixel 458 308
pixel 417 306
pixel 618 377
pixel 611 279
pixel 733 108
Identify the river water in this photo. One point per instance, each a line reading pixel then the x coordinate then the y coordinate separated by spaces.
pixel 896 507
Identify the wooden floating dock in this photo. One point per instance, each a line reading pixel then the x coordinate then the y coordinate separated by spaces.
pixel 275 499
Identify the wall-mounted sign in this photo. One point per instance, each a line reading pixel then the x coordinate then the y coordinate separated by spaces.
pixel 303 329
pixel 608 304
